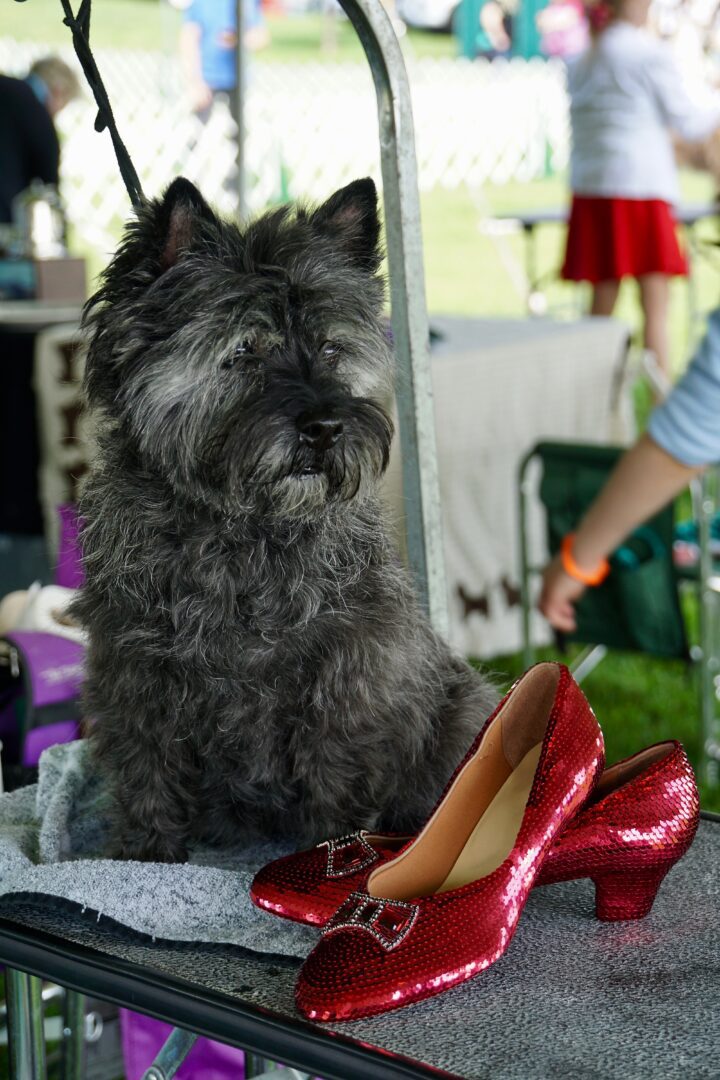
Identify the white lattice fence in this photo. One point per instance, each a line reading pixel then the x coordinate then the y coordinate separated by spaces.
pixel 311 128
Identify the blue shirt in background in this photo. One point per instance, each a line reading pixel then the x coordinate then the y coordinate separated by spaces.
pixel 218 35
pixel 687 425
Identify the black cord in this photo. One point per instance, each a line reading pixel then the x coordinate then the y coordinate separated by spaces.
pixel 80 27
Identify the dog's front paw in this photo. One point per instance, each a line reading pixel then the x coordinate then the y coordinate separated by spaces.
pixel 157 849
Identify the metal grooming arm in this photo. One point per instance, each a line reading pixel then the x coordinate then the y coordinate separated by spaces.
pixel 409 311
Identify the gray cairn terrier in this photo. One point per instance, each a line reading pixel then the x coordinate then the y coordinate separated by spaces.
pixel 257 660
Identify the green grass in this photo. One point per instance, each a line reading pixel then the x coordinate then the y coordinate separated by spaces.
pixel 638 701
pixel 148 24
pixel 119 24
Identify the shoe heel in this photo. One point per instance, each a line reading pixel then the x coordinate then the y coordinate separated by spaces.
pixel 627 896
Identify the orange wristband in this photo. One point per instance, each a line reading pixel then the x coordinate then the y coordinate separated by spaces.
pixel 593 577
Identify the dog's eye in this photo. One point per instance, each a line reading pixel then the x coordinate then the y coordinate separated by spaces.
pixel 245 348
pixel 330 352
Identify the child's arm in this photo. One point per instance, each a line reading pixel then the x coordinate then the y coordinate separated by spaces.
pixel 693 122
pixel 645 479
pixel 687 424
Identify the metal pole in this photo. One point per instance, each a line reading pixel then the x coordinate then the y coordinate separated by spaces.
pixel 279 1073
pixel 530 265
pixel 692 302
pixel 586 662
pixel 73 1066
pixel 239 106
pixel 409 312
pixel 26 1036
pixel 525 602
pixel 178 1045
pixel 255 1066
pixel 710 662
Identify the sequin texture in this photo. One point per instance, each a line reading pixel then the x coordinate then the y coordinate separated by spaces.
pixel 638 828
pixel 310 886
pixel 457 934
pixel 629 838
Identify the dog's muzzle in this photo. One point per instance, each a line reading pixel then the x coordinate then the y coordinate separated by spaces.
pixel 317 433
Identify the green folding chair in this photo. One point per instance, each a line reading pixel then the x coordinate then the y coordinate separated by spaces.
pixel 638 606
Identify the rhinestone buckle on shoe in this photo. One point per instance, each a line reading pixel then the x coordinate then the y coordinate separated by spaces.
pixel 348 854
pixel 389 921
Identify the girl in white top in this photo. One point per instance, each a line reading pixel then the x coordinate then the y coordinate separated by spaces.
pixel 626 97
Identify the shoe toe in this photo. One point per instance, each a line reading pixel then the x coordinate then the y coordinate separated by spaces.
pixel 295 887
pixel 343 978
pixel 310 886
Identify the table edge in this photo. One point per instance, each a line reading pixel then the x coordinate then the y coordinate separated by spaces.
pixel 293 1042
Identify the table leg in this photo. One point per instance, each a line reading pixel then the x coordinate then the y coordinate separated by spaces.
pixel 73 1052
pixel 709 635
pixel 26 1036
pixel 525 492
pixel 178 1045
pixel 692 302
pixel 530 264
pixel 255 1065
pixel 281 1073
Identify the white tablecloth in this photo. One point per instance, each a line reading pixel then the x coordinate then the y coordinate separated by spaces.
pixel 500 386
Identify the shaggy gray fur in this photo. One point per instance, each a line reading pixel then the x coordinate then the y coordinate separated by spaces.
pixel 257 662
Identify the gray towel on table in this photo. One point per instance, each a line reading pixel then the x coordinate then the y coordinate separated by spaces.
pixel 53 834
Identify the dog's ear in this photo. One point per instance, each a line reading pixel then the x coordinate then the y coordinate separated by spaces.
pixel 350 216
pixel 181 216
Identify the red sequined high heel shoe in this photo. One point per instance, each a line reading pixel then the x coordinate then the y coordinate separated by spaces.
pixel 640 820
pixel 447 906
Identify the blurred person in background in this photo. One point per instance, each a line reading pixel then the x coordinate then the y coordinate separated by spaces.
pixel 691 29
pixel 626 100
pixel 495 35
pixel 563 28
pixel 208 38
pixel 29 146
pixel 29 151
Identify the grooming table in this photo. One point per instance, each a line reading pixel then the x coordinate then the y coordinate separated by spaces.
pixel 572 997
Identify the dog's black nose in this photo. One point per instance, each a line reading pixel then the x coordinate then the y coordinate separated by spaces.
pixel 319 432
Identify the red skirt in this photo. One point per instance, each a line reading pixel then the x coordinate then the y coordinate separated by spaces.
pixel 609 239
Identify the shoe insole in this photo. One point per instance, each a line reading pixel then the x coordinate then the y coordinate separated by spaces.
pixel 492 839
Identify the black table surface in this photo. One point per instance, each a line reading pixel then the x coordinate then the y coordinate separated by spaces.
pixel 571 998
